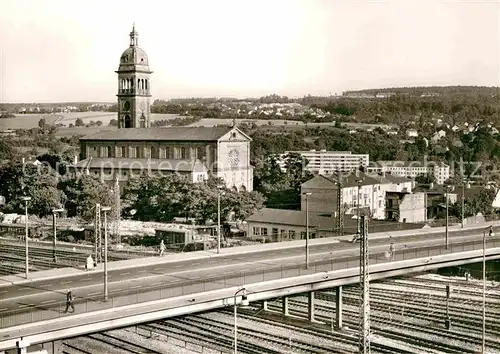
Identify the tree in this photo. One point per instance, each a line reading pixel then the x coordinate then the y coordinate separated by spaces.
pixel 42 123
pixel 84 193
pixel 281 186
pixel 57 162
pixel 36 181
pixel 79 122
pixel 7 152
pixel 163 198
pixel 426 178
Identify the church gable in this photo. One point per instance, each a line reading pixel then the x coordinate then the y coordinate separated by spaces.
pixel 235 135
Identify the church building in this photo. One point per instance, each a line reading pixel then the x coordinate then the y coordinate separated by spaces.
pixel 135 148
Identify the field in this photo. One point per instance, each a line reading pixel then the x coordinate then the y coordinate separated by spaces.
pixel 27 121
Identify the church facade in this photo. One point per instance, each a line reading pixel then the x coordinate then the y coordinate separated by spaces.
pixel 135 148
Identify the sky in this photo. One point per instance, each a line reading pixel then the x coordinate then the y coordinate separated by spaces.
pixel 61 50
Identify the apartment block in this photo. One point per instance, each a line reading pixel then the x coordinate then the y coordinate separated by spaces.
pixel 327 162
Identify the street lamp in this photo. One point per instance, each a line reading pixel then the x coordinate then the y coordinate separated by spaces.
pixel 463 201
pixel 307 228
pixel 218 217
pixel 105 209
pixel 446 229
pixel 26 200
pixel 490 230
pixel 54 228
pixel 244 303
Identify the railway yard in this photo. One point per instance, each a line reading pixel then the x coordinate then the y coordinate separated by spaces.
pixel 407 316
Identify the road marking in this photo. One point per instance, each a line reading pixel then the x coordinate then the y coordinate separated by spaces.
pixel 178 266
pixel 212 261
pixel 136 287
pixel 126 273
pixel 158 269
pixel 86 279
pixel 67 282
pixel 195 263
pixel 3 291
pixel 21 306
pixel 97 293
pixel 46 285
pixel 142 271
pixel 2 310
pixel 156 283
pixel 48 301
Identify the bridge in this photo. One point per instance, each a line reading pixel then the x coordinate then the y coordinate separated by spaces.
pixel 144 290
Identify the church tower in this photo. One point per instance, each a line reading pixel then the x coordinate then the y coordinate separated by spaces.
pixel 134 86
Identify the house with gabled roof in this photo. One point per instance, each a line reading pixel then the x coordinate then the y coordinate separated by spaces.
pixel 367 188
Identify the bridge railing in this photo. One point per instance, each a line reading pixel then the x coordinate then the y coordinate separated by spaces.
pixel 185 286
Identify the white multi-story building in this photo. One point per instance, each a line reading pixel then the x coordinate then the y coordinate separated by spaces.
pixel 327 162
pixel 412 169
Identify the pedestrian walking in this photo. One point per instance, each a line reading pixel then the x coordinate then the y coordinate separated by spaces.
pixel 491 231
pixel 69 302
pixel 392 251
pixel 162 248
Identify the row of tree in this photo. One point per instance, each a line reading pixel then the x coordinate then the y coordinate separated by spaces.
pixel 163 198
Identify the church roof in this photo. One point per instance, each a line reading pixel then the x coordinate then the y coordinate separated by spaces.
pixel 170 134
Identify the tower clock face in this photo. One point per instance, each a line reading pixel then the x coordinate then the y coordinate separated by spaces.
pixel 234 158
pixel 126 105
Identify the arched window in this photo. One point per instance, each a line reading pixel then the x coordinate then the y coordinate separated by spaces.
pixel 146 84
pixel 200 152
pixel 243 188
pixel 153 152
pixel 124 151
pixel 109 152
pixel 138 152
pixel 128 122
pixel 139 84
pixel 183 152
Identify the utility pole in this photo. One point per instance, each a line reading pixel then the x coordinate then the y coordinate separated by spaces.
pixel 446 230
pixel 463 201
pixel 116 230
pixel 364 290
pixel 97 233
pixel 340 209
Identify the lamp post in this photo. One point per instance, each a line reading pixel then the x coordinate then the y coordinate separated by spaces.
pixel 244 302
pixel 218 219
pixel 105 209
pixel 463 202
pixel 26 200
pixel 484 285
pixel 307 228
pixel 54 229
pixel 446 229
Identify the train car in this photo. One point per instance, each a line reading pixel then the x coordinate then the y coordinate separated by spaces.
pixel 178 236
pixel 34 231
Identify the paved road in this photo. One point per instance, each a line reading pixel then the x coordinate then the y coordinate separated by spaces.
pixel 48 293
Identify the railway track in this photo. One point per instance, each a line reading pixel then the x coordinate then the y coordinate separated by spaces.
pixel 110 343
pixel 392 328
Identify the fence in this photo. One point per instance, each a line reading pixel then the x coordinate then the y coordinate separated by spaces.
pixel 185 286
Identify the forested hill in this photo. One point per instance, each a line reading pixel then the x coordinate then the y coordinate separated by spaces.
pixel 431 90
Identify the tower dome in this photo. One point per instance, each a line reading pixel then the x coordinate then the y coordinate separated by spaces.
pixel 133 56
